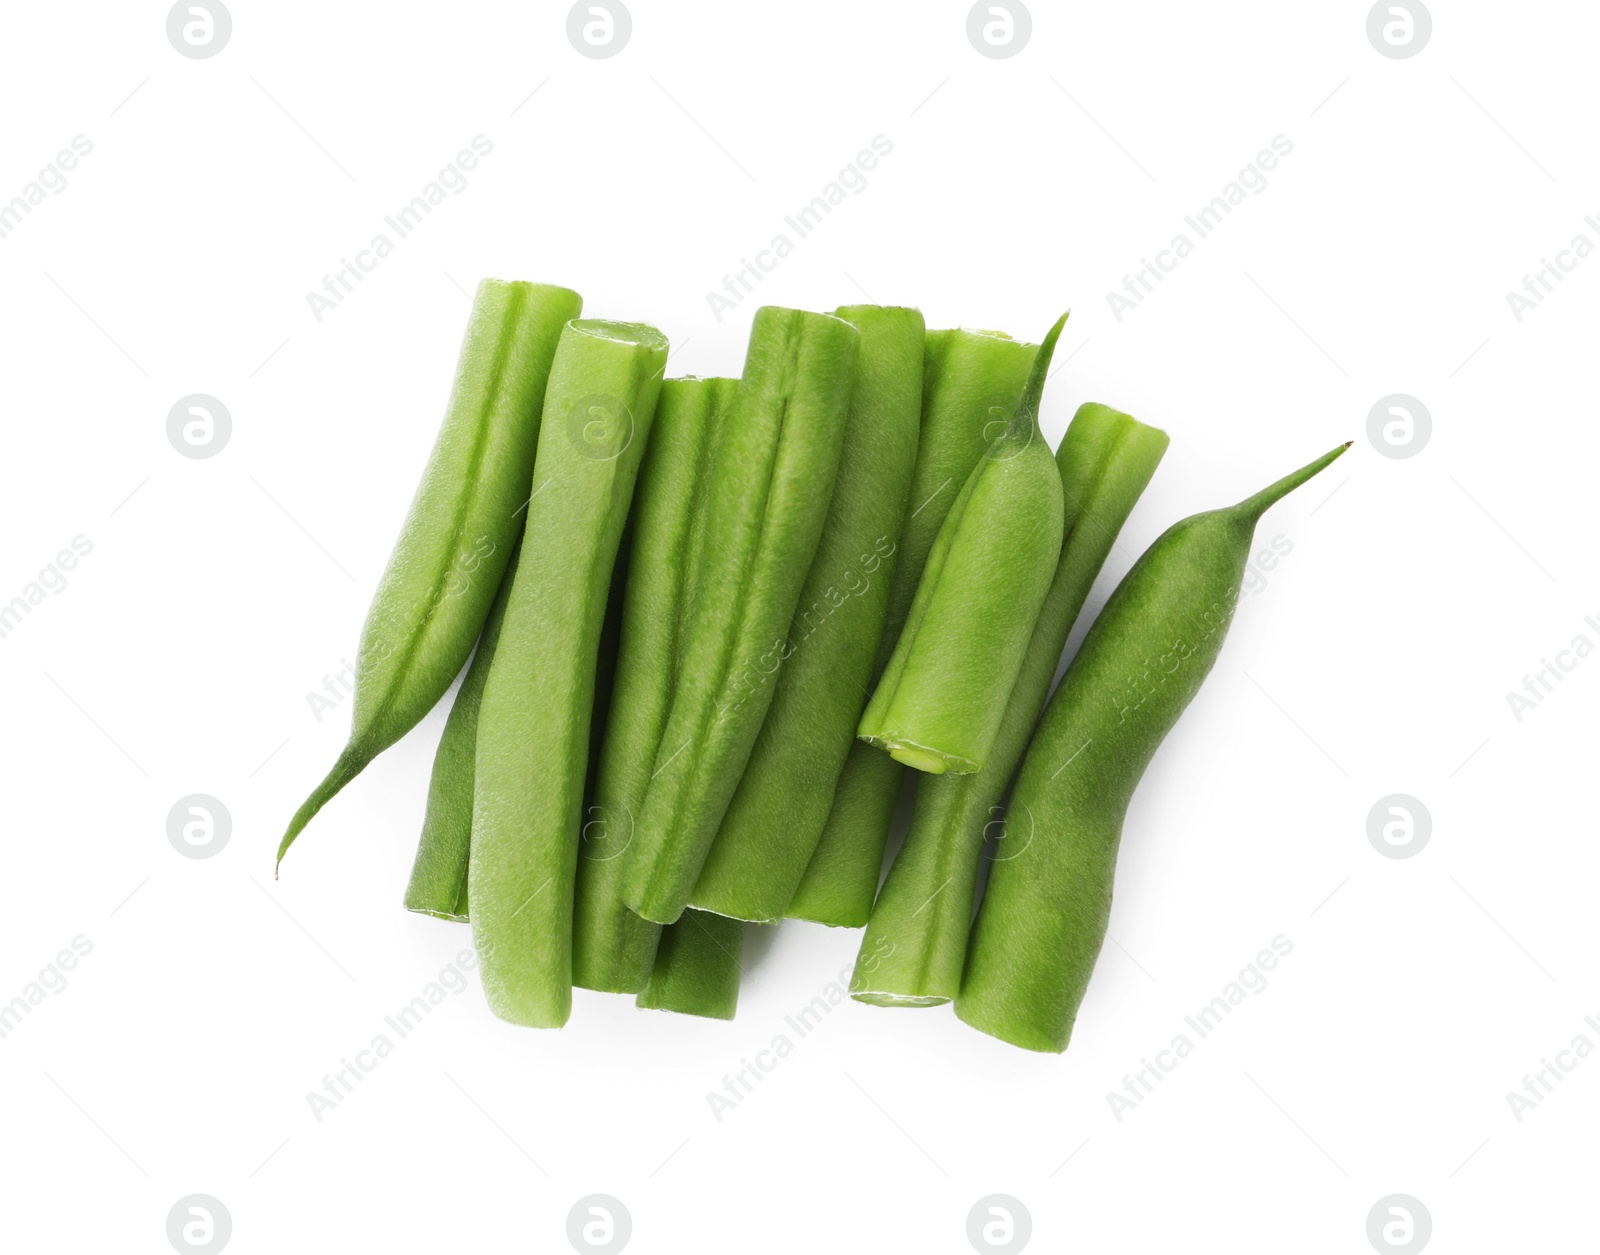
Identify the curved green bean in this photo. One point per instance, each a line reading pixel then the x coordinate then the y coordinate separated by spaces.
pixel 916 939
pixel 534 724
pixel 970 383
pixel 769 494
pixel 456 541
pixel 612 948
pixel 772 825
pixel 1048 901
pixel 939 702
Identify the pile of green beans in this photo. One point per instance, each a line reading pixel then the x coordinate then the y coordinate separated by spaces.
pixel 613 948
pixel 712 621
pixel 776 816
pixel 970 383
pixel 916 939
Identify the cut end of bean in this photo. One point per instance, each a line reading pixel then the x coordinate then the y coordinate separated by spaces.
pixel 436 914
pixel 878 998
pixel 920 759
pixel 622 332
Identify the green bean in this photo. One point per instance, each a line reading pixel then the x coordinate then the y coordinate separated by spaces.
pixel 1044 914
pixel 612 948
pixel 439 874
pixel 456 541
pixel 769 494
pixel 970 383
pixel 916 939
pixel 776 816
pixel 697 966
pixel 533 727
pixel 939 702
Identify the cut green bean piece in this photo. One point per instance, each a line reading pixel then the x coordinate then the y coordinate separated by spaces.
pixel 770 488
pixel 696 970
pixel 612 948
pixel 916 940
pixel 439 874
pixel 970 385
pixel 777 813
pixel 1048 900
pixel 457 538
pixel 939 703
pixel 534 724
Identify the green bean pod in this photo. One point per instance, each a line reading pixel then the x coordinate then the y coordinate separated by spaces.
pixel 456 541
pixel 777 813
pixel 612 948
pixel 916 939
pixel 970 384
pixel 697 967
pixel 939 702
pixel 1044 913
pixel 769 494
pixel 438 884
pixel 534 723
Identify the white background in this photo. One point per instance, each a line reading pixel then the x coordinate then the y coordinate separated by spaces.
pixel 1375 660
